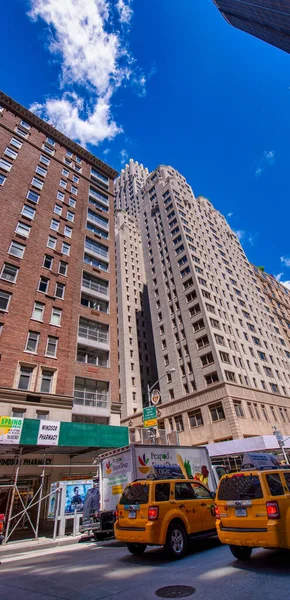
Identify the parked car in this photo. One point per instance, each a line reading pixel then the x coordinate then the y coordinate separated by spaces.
pixel 253 510
pixel 164 513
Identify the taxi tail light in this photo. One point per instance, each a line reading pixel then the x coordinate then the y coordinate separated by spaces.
pixel 153 513
pixel 273 511
pixel 116 513
pixel 217 511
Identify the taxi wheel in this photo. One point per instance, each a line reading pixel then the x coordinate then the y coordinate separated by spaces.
pixel 241 552
pixel 176 542
pixel 137 549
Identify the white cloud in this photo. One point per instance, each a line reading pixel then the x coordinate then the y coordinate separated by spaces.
pixel 240 234
pixel 124 156
pixel 286 284
pixel 285 261
pixel 267 160
pixel 95 62
pixel 125 11
pixel 278 276
pixel 230 214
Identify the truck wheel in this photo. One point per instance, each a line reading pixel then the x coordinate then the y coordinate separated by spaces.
pixel 137 549
pixel 241 552
pixel 99 537
pixel 176 541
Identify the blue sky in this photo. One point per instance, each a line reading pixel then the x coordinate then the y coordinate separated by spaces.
pixel 164 81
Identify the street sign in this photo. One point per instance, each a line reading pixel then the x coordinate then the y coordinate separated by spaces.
pixel 155 397
pixel 150 416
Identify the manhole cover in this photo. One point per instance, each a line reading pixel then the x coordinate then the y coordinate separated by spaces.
pixel 175 591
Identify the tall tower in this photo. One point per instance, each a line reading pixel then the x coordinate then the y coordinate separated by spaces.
pixel 137 366
pixel 58 318
pixel 268 20
pixel 210 317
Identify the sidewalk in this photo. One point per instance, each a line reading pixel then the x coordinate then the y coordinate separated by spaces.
pixel 19 547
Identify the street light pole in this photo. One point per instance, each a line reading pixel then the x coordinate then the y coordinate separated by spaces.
pixel 149 390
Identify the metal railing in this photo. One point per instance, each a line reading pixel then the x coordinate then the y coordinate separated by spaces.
pixel 93 334
pixel 98 220
pixel 96 248
pixel 93 285
pixel 95 194
pixel 95 399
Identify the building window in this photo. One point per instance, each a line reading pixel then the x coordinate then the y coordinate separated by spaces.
pixel 11 153
pixel 2 179
pixel 47 261
pixel 230 376
pixel 195 418
pixel 48 149
pixel 238 408
pixel 91 392
pixel 63 184
pixel 225 357
pixel 217 412
pixel 5 298
pixel 62 267
pixel 32 342
pixel 51 242
pixel 18 413
pixel 72 202
pixel 41 171
pixel 16 143
pixel 25 377
pixel 207 359
pixel 57 209
pixel 21 132
pixel 51 346
pixel 70 216
pixel 50 141
pixel 65 172
pixel 38 311
pixel 46 381
pixel 9 273
pixel 60 196
pixel 28 211
pixel 37 183
pixel 55 318
pixel 95 304
pixel 179 423
pixel 16 249
pixel 65 248
pixel 5 165
pixel 75 179
pixel 59 290
pixel 67 231
pixel 43 284
pixel 33 196
pixel 44 160
pixel 54 224
pixel 274 388
pixel 74 190
pixel 42 415
pixel 264 411
pixel 25 125
pixel 23 229
pixel 250 409
pixel 211 378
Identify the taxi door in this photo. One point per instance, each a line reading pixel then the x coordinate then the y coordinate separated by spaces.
pixel 188 505
pixel 206 505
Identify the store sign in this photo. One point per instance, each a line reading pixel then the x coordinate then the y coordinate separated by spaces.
pixel 10 430
pixel 48 433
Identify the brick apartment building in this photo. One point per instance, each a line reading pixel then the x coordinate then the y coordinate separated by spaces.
pixel 58 322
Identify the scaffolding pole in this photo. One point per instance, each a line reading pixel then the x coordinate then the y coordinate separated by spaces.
pixel 39 503
pixel 12 498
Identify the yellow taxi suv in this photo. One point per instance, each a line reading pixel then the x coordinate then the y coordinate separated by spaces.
pixel 253 510
pixel 164 513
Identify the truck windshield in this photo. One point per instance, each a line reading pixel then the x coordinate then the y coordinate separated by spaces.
pixel 240 487
pixel 138 493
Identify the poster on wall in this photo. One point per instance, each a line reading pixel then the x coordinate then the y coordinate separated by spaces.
pixel 52 500
pixel 10 430
pixel 75 493
pixel 48 433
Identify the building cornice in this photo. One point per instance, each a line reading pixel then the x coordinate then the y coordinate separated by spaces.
pixel 52 132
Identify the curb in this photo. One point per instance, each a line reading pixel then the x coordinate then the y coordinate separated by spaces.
pixel 16 548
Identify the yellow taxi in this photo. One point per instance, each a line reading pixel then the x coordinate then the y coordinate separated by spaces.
pixel 253 510
pixel 164 513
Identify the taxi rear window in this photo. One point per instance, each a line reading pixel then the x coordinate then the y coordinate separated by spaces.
pixel 287 478
pixel 138 493
pixel 275 484
pixel 240 487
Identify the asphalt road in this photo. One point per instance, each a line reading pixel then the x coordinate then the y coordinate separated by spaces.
pixel 91 571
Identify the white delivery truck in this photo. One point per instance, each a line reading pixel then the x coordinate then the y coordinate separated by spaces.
pixel 119 467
